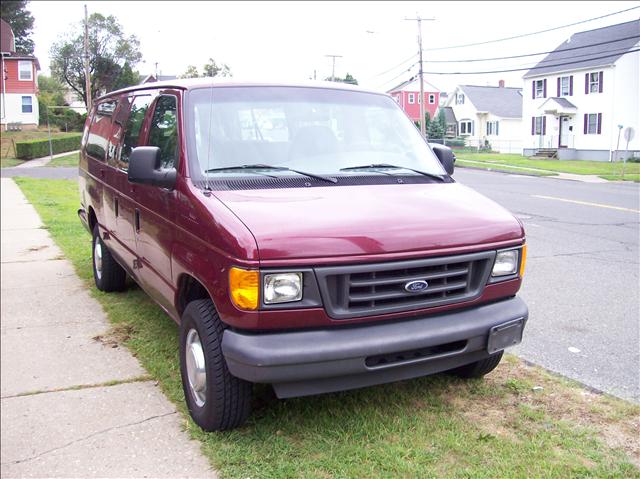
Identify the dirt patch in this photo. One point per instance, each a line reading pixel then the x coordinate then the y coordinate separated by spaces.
pixel 615 421
pixel 116 336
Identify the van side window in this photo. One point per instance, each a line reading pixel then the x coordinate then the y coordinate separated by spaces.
pixel 100 130
pixel 164 130
pixel 139 107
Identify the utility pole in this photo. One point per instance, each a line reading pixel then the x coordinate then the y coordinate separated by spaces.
pixel 333 68
pixel 421 100
pixel 86 59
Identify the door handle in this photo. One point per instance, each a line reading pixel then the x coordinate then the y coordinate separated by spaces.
pixel 136 220
pixel 102 172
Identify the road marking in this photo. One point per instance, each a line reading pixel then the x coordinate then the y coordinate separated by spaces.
pixel 586 203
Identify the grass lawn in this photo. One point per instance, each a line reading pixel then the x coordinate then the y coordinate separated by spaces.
pixel 7 152
pixel 430 427
pixel 65 161
pixel 600 168
pixel 9 162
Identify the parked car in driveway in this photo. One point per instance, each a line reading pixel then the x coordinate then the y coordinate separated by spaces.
pixel 304 236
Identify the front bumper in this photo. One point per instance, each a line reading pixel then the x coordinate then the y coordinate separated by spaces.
pixel 302 363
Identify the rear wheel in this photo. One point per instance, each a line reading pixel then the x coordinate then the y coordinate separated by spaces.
pixel 479 368
pixel 216 399
pixel 107 273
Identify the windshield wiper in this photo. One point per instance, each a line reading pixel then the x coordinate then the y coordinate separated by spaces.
pixel 387 165
pixel 272 167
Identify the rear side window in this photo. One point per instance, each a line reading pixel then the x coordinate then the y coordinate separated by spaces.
pixel 164 130
pixel 100 130
pixel 133 125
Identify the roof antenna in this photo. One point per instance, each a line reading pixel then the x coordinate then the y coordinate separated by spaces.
pixel 209 138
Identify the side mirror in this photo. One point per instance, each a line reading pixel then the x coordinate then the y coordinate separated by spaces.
pixel 145 168
pixel 445 155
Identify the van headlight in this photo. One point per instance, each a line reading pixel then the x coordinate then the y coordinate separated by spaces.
pixel 506 263
pixel 282 287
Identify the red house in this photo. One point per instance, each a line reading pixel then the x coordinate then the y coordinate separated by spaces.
pixel 19 85
pixel 407 94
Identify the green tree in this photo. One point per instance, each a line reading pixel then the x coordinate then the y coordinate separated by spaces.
pixel 211 69
pixel 438 126
pixel 109 51
pixel 50 91
pixel 20 20
pixel 126 77
pixel 190 72
pixel 347 79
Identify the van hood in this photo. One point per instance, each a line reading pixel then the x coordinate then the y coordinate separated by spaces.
pixel 334 221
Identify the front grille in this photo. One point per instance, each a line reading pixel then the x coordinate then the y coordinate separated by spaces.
pixel 416 355
pixel 355 291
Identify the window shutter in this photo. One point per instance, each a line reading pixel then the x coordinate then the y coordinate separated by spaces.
pixel 544 88
pixel 533 89
pixel 473 127
pixel 600 119
pixel 544 125
pixel 558 87
pixel 571 85
pixel 586 116
pixel 586 84
pixel 533 125
pixel 497 128
pixel 600 83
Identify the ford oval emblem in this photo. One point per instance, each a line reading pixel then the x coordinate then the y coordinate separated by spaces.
pixel 416 286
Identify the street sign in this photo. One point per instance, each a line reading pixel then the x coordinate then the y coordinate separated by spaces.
pixel 629 133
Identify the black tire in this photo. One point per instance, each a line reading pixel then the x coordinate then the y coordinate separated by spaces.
pixel 479 368
pixel 111 277
pixel 227 399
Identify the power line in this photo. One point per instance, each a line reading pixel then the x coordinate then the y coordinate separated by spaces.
pixel 534 67
pixel 530 34
pixel 534 54
pixel 399 64
pixel 404 72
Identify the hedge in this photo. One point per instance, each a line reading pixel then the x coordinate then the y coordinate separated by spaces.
pixel 27 150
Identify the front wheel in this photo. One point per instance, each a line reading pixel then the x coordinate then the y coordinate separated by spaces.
pixel 479 368
pixel 216 399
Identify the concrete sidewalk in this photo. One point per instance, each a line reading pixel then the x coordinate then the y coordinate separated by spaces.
pixel 37 162
pixel 50 428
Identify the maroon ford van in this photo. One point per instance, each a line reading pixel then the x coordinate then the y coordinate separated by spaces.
pixel 304 236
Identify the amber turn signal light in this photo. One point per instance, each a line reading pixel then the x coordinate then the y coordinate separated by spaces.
pixel 523 260
pixel 244 285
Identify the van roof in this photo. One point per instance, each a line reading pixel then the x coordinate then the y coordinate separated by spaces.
pixel 193 83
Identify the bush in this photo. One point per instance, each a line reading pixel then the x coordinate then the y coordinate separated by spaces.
pixel 27 150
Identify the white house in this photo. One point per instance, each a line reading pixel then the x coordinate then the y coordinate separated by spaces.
pixel 487 116
pixel 584 94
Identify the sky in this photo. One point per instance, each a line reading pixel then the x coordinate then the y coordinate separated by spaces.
pixel 289 40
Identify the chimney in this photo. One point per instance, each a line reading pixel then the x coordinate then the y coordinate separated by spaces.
pixel 501 83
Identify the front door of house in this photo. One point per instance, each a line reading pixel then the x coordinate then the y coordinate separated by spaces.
pixel 563 137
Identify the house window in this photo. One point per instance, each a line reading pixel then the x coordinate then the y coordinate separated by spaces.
pixel 432 99
pixel 492 128
pixel 594 82
pixel 592 123
pixel 565 86
pixel 539 125
pixel 27 104
pixel 465 127
pixel 25 71
pixel 539 89
pixel 460 99
pixel 412 98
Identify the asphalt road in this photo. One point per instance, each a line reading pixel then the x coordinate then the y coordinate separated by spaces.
pixel 582 280
pixel 582 277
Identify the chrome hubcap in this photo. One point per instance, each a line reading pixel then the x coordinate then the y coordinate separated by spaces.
pixel 97 258
pixel 196 367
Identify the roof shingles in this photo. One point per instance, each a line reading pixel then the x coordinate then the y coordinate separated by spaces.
pixel 588 49
pixel 500 101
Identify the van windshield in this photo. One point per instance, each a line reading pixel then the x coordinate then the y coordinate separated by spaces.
pixel 322 131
